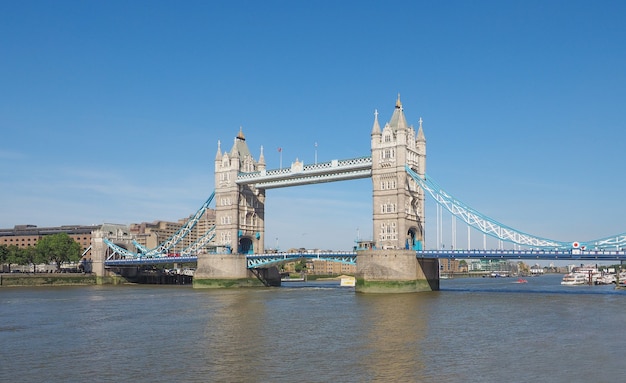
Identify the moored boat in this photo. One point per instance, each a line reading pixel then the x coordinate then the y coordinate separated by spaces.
pixel 606 279
pixel 572 279
pixel 347 281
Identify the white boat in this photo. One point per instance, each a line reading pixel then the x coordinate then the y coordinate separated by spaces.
pixel 582 275
pixel 348 281
pixel 620 282
pixel 572 279
pixel 606 279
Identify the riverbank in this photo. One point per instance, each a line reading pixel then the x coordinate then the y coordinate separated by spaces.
pixel 44 279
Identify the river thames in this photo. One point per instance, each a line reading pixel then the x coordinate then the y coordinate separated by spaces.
pixel 473 330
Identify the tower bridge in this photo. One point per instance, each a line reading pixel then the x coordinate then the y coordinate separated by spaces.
pixel 232 253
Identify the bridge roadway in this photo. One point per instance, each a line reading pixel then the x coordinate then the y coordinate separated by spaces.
pixel 259 260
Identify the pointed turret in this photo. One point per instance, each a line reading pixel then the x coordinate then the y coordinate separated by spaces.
pixel 261 162
pixel 421 150
pixel 218 156
pixel 420 133
pixel 234 152
pixel 376 127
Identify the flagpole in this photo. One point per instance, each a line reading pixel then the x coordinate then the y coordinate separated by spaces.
pixel 315 153
pixel 280 152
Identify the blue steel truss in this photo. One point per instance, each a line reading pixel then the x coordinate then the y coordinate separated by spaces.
pixel 165 247
pixel 569 255
pixel 260 260
pixel 134 261
pixel 120 255
pixel 495 229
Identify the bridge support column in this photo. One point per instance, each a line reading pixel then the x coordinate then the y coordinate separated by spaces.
pixel 395 271
pixel 98 255
pixel 223 271
pixel 95 264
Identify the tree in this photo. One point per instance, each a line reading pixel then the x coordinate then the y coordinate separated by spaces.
pixel 30 256
pixel 4 256
pixel 300 266
pixel 58 248
pixel 14 256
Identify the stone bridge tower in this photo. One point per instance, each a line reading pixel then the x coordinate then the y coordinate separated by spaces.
pixel 391 264
pixel 398 212
pixel 239 209
pixel 239 223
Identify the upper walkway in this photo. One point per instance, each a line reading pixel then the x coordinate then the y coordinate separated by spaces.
pixel 300 174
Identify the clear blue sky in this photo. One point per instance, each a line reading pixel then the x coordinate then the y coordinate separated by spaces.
pixel 110 111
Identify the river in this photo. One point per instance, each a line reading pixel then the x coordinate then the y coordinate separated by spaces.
pixel 473 330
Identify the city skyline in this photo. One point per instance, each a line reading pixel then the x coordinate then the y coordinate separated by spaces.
pixel 111 112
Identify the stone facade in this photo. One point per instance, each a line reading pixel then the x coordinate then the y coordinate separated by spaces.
pixel 398 211
pixel 239 209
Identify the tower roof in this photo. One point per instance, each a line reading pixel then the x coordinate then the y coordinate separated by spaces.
pixel 398 120
pixel 240 148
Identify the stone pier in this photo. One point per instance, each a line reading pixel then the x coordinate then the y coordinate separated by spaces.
pixel 395 271
pixel 223 271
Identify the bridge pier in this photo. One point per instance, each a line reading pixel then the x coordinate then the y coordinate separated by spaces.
pixel 96 264
pixel 223 271
pixel 395 271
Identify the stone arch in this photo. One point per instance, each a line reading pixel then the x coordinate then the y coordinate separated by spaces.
pixel 246 245
pixel 413 238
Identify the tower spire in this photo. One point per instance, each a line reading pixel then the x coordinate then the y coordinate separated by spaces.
pixel 398 102
pixel 219 150
pixel 262 157
pixel 376 127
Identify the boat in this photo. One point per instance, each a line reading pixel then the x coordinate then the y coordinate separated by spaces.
pixel 348 281
pixel 575 278
pixel 606 279
pixel 583 275
pixel 303 279
pixel 620 281
pixel 521 280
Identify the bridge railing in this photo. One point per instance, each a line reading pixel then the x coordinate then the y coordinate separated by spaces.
pixel 257 260
pixel 572 254
pixel 347 164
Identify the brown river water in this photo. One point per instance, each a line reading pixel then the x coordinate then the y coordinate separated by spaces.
pixel 473 330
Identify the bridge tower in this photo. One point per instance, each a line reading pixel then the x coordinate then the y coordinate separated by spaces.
pixel 239 209
pixel 391 264
pixel 398 214
pixel 239 217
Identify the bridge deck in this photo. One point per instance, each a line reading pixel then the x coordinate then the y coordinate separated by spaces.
pixel 259 260
pixel 300 174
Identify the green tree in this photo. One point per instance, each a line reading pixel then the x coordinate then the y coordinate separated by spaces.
pixel 15 255
pixel 31 256
pixel 4 256
pixel 300 266
pixel 58 248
